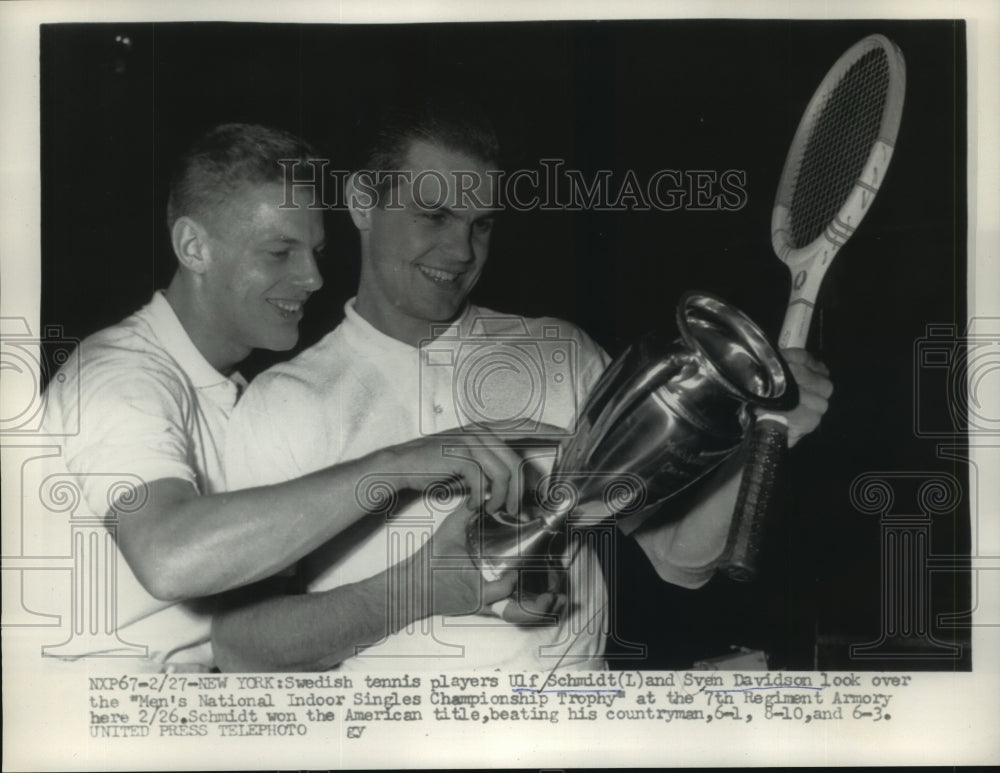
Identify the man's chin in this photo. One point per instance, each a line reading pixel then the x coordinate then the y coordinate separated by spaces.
pixel 281 343
pixel 445 313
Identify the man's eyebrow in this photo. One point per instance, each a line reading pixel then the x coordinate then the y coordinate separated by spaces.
pixel 281 238
pixel 452 211
pixel 457 211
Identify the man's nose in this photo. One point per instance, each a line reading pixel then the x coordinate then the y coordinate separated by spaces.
pixel 307 273
pixel 458 243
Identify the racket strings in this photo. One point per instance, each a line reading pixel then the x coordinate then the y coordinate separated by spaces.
pixel 846 124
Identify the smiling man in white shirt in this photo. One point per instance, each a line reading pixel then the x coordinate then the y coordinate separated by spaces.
pixel 425 209
pixel 153 395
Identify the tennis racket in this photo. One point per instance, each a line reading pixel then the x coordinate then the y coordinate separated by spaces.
pixel 833 170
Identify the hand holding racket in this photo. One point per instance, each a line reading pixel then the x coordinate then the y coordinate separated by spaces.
pixel 834 167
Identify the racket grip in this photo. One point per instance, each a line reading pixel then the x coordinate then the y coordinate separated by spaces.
pixel 765 455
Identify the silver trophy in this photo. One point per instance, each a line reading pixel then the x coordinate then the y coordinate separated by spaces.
pixel 663 414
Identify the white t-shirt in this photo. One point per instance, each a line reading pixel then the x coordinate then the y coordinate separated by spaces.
pixel 149 407
pixel 357 391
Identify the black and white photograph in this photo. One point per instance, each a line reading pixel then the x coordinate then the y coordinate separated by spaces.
pixel 420 390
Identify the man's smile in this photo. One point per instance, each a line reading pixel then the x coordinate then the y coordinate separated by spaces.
pixel 285 307
pixel 439 275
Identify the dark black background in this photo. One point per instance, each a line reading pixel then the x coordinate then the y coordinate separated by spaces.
pixel 599 95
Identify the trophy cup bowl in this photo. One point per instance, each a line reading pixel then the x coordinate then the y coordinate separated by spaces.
pixel 664 413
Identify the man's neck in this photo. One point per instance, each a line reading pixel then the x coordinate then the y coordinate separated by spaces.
pixel 404 329
pixel 196 320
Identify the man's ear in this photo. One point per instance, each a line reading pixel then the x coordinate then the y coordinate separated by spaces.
pixel 361 199
pixel 190 241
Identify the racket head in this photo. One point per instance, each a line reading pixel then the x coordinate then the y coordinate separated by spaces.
pixel 838 156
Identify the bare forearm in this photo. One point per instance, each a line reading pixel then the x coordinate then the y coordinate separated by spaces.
pixel 184 545
pixel 314 631
pixel 181 545
pixel 318 630
pixel 685 550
